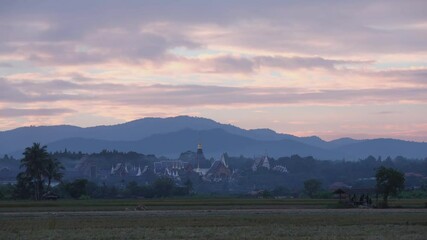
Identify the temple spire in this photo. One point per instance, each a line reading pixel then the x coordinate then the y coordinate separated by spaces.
pixel 199 150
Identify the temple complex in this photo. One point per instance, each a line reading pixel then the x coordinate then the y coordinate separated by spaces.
pixel 219 171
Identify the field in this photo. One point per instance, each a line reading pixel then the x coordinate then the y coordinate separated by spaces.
pixel 209 219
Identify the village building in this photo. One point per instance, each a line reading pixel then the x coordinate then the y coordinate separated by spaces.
pixel 219 171
pixel 280 168
pixel 354 196
pixel 169 168
pixel 120 169
pixel 140 172
pixel 86 167
pixel 123 169
pixel 261 163
pixel 265 163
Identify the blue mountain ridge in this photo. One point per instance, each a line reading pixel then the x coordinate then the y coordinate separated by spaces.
pixel 171 136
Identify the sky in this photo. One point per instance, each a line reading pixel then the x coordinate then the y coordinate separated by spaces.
pixel 327 68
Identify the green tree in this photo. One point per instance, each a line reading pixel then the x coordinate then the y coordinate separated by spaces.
pixel 54 170
pixel 35 162
pixel 312 186
pixel 389 182
pixel 163 187
pixel 77 188
pixel 39 167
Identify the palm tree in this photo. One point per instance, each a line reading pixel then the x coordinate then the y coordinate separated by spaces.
pixel 54 170
pixel 35 160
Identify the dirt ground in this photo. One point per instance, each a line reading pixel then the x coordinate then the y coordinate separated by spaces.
pixel 218 224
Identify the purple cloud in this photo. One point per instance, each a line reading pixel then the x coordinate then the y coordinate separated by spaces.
pixel 21 112
pixel 78 32
pixel 199 95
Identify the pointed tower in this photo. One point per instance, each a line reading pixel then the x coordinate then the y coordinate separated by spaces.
pixel 201 161
pixel 223 160
pixel 139 173
pixel 266 162
pixel 199 154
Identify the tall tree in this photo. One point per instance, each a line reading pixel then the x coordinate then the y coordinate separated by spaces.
pixel 35 161
pixel 54 170
pixel 389 182
pixel 39 167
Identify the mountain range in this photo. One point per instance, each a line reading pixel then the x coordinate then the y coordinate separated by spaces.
pixel 171 136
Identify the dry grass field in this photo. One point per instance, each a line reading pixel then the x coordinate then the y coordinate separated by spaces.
pixel 184 204
pixel 213 222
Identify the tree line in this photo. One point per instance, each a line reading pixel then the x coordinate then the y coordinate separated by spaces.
pixel 84 189
pixel 40 169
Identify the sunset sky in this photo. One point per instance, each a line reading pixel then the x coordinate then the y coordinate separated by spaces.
pixel 327 68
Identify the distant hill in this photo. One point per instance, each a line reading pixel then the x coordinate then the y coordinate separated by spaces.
pixel 384 147
pixel 171 136
pixel 215 141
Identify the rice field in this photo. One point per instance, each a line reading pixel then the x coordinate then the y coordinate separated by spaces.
pixel 185 203
pixel 209 220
